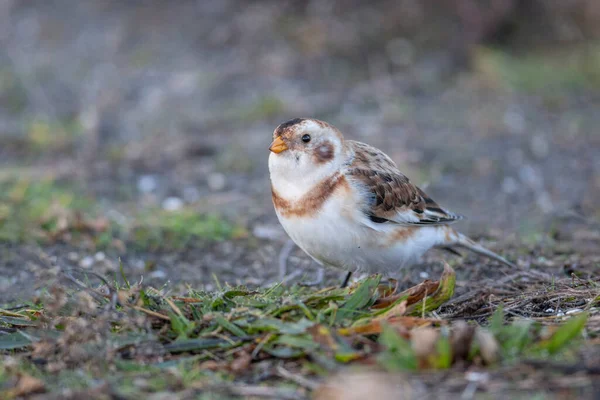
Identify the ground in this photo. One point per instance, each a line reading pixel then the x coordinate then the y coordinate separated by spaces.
pixel 143 159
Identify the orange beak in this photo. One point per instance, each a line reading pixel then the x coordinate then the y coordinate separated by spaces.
pixel 278 145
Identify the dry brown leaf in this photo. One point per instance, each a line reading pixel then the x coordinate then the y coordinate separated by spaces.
pixel 413 295
pixel 397 311
pixel 28 385
pixel 211 365
pixel 423 342
pixel 402 324
pixel 387 289
pixel 461 340
pixel 488 346
pixel 187 300
pixel 417 293
pixel 241 362
pixel 322 335
pixel 365 385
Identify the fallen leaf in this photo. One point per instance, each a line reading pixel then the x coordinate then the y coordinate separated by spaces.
pixel 443 292
pixel 423 342
pixel 439 292
pixel 488 346
pixel 241 362
pixel 28 385
pixel 461 340
pixel 393 317
pixel 396 311
pixel 211 365
pixel 365 385
pixel 387 289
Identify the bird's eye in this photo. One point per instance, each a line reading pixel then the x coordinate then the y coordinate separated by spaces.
pixel 306 138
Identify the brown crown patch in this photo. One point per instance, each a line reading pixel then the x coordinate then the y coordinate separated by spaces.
pixel 282 128
pixel 309 204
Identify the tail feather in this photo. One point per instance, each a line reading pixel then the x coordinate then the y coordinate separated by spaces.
pixel 464 241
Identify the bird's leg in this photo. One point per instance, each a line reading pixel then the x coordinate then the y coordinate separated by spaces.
pixel 346 279
pixel 283 256
pixel 318 280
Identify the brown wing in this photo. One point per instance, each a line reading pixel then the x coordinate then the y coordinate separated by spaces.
pixel 391 196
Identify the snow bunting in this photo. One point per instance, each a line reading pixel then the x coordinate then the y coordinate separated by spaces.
pixel 347 205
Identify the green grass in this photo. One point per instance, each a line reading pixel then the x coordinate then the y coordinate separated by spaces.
pixel 209 343
pixel 47 211
pixel 553 70
pixel 50 136
pixel 175 230
pixel 36 209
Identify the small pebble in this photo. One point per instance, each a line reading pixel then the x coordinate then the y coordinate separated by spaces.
pixel 147 184
pixel 574 311
pixel 509 185
pixel 514 121
pixel 400 51
pixel 138 264
pixel 423 275
pixel 530 176
pixel 539 146
pixel 191 194
pixel 544 202
pixel 549 310
pixel 100 256
pixel 172 204
pixel 216 181
pixel 86 262
pixel 270 232
pixel 158 274
pixel 473 376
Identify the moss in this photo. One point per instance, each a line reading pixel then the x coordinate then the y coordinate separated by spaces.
pixel 48 135
pixel 549 71
pixel 33 209
pixel 45 210
pixel 159 229
pixel 265 107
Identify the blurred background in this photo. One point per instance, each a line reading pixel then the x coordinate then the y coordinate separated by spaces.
pixel 140 129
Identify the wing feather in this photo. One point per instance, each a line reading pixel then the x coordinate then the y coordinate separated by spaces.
pixel 391 197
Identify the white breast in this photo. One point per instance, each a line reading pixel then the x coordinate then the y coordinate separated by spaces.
pixel 339 235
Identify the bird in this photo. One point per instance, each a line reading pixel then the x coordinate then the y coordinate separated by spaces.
pixel 347 205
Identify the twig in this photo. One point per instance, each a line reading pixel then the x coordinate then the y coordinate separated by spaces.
pixel 253 391
pixel 95 293
pixel 6 312
pixel 17 307
pixel 565 368
pixel 174 307
pixel 299 379
pixel 150 312
pixel 261 344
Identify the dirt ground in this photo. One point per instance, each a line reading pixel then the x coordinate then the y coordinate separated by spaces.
pixel 185 111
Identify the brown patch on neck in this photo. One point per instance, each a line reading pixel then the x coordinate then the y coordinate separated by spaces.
pixel 309 204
